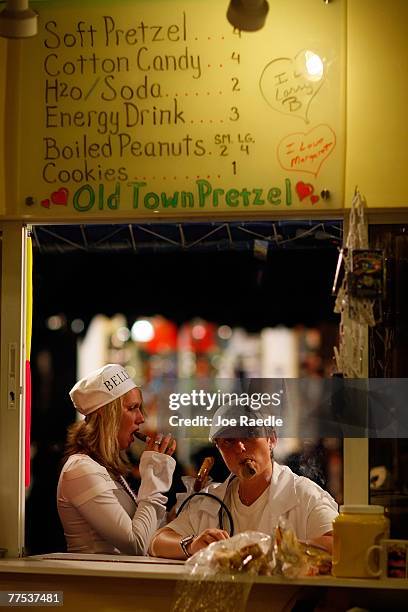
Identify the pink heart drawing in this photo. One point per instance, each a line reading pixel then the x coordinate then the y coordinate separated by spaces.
pixel 306 151
pixel 45 203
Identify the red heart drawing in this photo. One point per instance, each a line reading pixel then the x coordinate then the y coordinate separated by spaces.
pixel 304 189
pixel 60 196
pixel 45 203
pixel 314 199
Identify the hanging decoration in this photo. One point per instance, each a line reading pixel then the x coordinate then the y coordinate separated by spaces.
pixel 356 310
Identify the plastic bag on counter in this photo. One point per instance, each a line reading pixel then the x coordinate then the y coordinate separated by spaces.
pixel 250 552
pixel 220 576
pixel 294 559
pixel 254 553
pixel 289 558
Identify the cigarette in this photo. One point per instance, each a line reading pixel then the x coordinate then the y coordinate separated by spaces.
pixel 248 469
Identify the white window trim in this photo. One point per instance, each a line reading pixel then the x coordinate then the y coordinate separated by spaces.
pixel 12 374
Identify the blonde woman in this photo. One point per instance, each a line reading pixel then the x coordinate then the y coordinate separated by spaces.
pixel 99 511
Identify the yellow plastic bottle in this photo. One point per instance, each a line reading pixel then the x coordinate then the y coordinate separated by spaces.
pixel 355 529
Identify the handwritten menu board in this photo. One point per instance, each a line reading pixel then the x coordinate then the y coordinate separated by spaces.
pixel 152 106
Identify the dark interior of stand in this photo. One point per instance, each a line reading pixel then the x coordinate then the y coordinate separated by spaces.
pixel 241 274
pixel 250 275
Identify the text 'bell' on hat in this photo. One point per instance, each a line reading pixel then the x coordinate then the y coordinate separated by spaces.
pixel 100 387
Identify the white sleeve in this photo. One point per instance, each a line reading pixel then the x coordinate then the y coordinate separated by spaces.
pixel 188 482
pixel 320 521
pixel 182 524
pixel 156 471
pixel 130 536
pixel 320 508
pixel 84 481
pixel 89 488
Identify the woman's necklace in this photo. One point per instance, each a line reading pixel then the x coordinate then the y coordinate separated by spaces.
pixel 127 488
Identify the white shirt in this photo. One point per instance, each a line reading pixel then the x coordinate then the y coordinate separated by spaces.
pixel 306 508
pixel 99 515
pixel 245 517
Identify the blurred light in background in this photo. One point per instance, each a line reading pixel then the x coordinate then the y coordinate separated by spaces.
pixel 131 371
pixel 123 333
pixel 77 326
pixel 142 331
pixel 198 332
pixel 56 322
pixel 224 332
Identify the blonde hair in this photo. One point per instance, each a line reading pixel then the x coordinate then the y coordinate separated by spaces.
pixel 97 436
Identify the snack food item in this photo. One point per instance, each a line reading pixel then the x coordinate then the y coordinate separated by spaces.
pixel 294 558
pixel 319 560
pixel 248 553
pixel 254 553
pixel 203 474
pixel 249 559
pixel 141 436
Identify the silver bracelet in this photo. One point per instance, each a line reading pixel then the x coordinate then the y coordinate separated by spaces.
pixel 184 542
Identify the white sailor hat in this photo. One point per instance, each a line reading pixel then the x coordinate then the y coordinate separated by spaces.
pixel 100 387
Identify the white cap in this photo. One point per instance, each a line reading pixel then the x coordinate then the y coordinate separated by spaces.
pixel 100 387
pixel 235 421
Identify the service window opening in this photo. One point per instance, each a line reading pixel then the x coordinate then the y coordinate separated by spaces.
pixel 193 301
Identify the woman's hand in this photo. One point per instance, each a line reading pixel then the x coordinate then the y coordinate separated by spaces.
pixel 162 444
pixel 206 537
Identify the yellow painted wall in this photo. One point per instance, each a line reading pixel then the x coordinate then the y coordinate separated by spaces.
pixel 377 102
pixel 377 92
pixel 180 116
pixel 2 125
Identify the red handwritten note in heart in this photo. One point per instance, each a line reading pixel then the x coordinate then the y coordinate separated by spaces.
pixel 306 152
pixel 60 196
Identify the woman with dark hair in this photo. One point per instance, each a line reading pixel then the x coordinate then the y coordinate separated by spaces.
pixel 99 511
